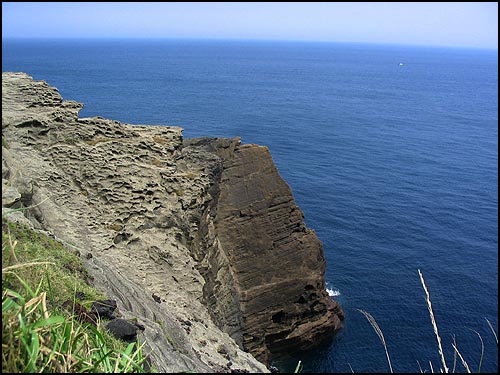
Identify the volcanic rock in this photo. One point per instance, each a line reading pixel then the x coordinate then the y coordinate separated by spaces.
pixel 207 224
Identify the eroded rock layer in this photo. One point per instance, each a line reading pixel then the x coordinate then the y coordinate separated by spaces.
pixel 278 263
pixel 200 239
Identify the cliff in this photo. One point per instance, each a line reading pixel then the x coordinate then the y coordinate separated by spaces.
pixel 199 239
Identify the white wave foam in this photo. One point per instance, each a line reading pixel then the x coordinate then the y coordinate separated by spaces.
pixel 333 292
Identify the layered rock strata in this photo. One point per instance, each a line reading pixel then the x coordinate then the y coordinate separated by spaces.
pixel 261 247
pixel 199 239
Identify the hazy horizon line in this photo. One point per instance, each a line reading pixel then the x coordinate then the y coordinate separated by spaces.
pixel 237 39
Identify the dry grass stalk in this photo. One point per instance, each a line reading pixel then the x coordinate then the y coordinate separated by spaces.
pixel 431 313
pixel 482 349
pixel 461 358
pixel 16 266
pixel 352 371
pixel 454 356
pixel 377 329
pixel 420 367
pixel 492 330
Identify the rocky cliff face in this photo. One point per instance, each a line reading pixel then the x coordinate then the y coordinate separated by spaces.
pixel 205 225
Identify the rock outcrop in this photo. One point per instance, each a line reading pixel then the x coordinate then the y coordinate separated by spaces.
pixel 200 240
pixel 274 264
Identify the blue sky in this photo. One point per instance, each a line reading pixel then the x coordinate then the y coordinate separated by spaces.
pixel 436 24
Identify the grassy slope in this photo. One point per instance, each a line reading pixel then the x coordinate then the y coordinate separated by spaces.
pixel 38 275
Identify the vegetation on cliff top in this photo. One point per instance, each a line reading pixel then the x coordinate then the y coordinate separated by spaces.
pixel 38 334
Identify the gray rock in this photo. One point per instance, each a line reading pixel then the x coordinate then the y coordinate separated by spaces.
pixel 10 195
pixel 16 217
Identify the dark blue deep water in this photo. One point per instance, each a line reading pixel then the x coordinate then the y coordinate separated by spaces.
pixel 395 166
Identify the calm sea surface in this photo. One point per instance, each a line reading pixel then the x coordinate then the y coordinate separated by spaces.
pixel 391 152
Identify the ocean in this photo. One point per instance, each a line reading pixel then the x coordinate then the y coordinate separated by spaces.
pixel 391 152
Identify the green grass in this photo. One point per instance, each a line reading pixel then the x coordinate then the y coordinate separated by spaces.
pixel 38 335
pixel 62 273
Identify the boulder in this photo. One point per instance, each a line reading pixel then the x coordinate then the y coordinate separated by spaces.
pixel 123 329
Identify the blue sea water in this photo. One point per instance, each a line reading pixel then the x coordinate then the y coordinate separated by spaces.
pixel 390 151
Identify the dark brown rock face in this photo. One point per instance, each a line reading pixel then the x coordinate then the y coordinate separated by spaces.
pixel 274 299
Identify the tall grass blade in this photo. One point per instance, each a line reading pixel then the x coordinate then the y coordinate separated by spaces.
pixel 377 329
pixel 16 266
pixel 352 371
pixel 48 322
pixel 34 350
pixel 492 330
pixel 482 349
pixel 454 356
pixel 420 367
pixel 298 368
pixel 11 300
pixel 461 358
pixel 431 313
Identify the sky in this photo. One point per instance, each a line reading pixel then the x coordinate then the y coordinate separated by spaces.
pixel 473 24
